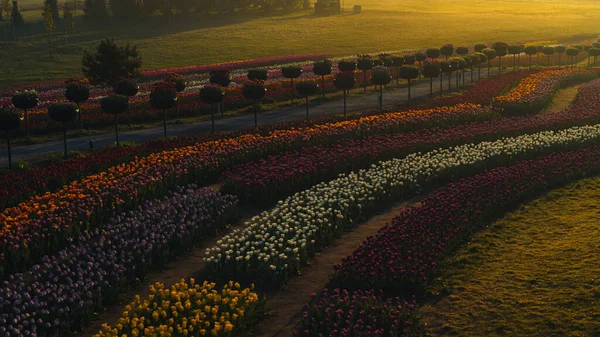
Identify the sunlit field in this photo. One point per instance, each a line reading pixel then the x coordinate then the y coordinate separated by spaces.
pixel 386 25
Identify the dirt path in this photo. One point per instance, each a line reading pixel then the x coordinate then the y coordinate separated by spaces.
pixel 287 304
pixel 562 99
pixel 532 273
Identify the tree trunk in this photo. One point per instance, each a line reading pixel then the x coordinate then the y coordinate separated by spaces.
pixel 514 62
pixel 323 86
pixel 463 78
pixel 307 118
pixel 449 80
pixel 165 122
pixel 212 117
pixel 255 118
pixel 431 87
pixel 79 116
pixel 409 92
pixel 441 83
pixel 8 147
pixel 381 99
pixel 397 76
pixel 26 125
pixel 471 83
pixel 479 71
pixel 293 92
pixel 344 102
pixel 499 65
pixel 365 80
pixel 49 45
pixel 65 138
pixel 222 108
pixel 129 114
pixel 117 130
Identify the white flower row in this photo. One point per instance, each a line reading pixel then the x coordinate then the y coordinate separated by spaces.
pixel 283 239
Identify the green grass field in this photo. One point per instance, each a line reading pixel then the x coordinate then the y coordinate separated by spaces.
pixel 384 25
pixel 533 273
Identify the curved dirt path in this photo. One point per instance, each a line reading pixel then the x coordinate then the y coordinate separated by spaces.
pixel 287 304
pixel 533 273
pixel 562 99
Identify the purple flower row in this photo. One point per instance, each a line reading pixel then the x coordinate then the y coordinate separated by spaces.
pixel 60 295
pixel 361 313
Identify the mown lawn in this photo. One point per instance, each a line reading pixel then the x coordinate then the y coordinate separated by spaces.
pixel 384 25
pixel 536 272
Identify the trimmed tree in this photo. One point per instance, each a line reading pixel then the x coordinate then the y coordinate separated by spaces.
pixel 110 62
pixel 463 64
pixel 409 60
pixel 77 92
pixel 490 54
pixel 63 113
pixel 548 51
pixel 128 88
pixel 420 57
pixel 115 105
pixel 291 73
pixel 306 89
pixel 446 67
pixel 258 74
pixel 431 71
pixel 364 64
pixel 455 67
pixel 595 52
pixel 462 51
pixel 212 94
pixel 433 54
pixel 254 91
pixel 381 76
pixel 163 96
pixel 540 50
pixel 514 50
pixel 572 53
pixel 530 51
pixel 447 50
pixel 397 61
pixel 9 120
pixel 480 47
pixel 347 66
pixel 409 73
pixel 344 81
pixel 560 50
pixel 25 100
pixel 322 68
pixel 222 77
pixel 178 83
pixel 501 49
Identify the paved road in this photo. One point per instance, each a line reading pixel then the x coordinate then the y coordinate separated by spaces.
pixel 392 99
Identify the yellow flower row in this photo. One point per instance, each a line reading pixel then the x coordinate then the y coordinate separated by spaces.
pixel 531 83
pixel 187 309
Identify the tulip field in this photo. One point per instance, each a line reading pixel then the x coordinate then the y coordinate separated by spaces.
pixel 77 237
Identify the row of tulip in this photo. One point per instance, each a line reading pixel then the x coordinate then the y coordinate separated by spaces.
pixel 62 293
pixel 19 185
pixel 535 92
pixel 43 224
pixel 268 180
pixel 190 309
pixel 277 243
pixel 404 255
pixel 483 91
pixel 365 313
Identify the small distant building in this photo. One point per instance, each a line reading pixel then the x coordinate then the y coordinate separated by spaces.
pixel 328 7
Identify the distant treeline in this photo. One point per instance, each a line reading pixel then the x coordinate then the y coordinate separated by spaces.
pixel 100 10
